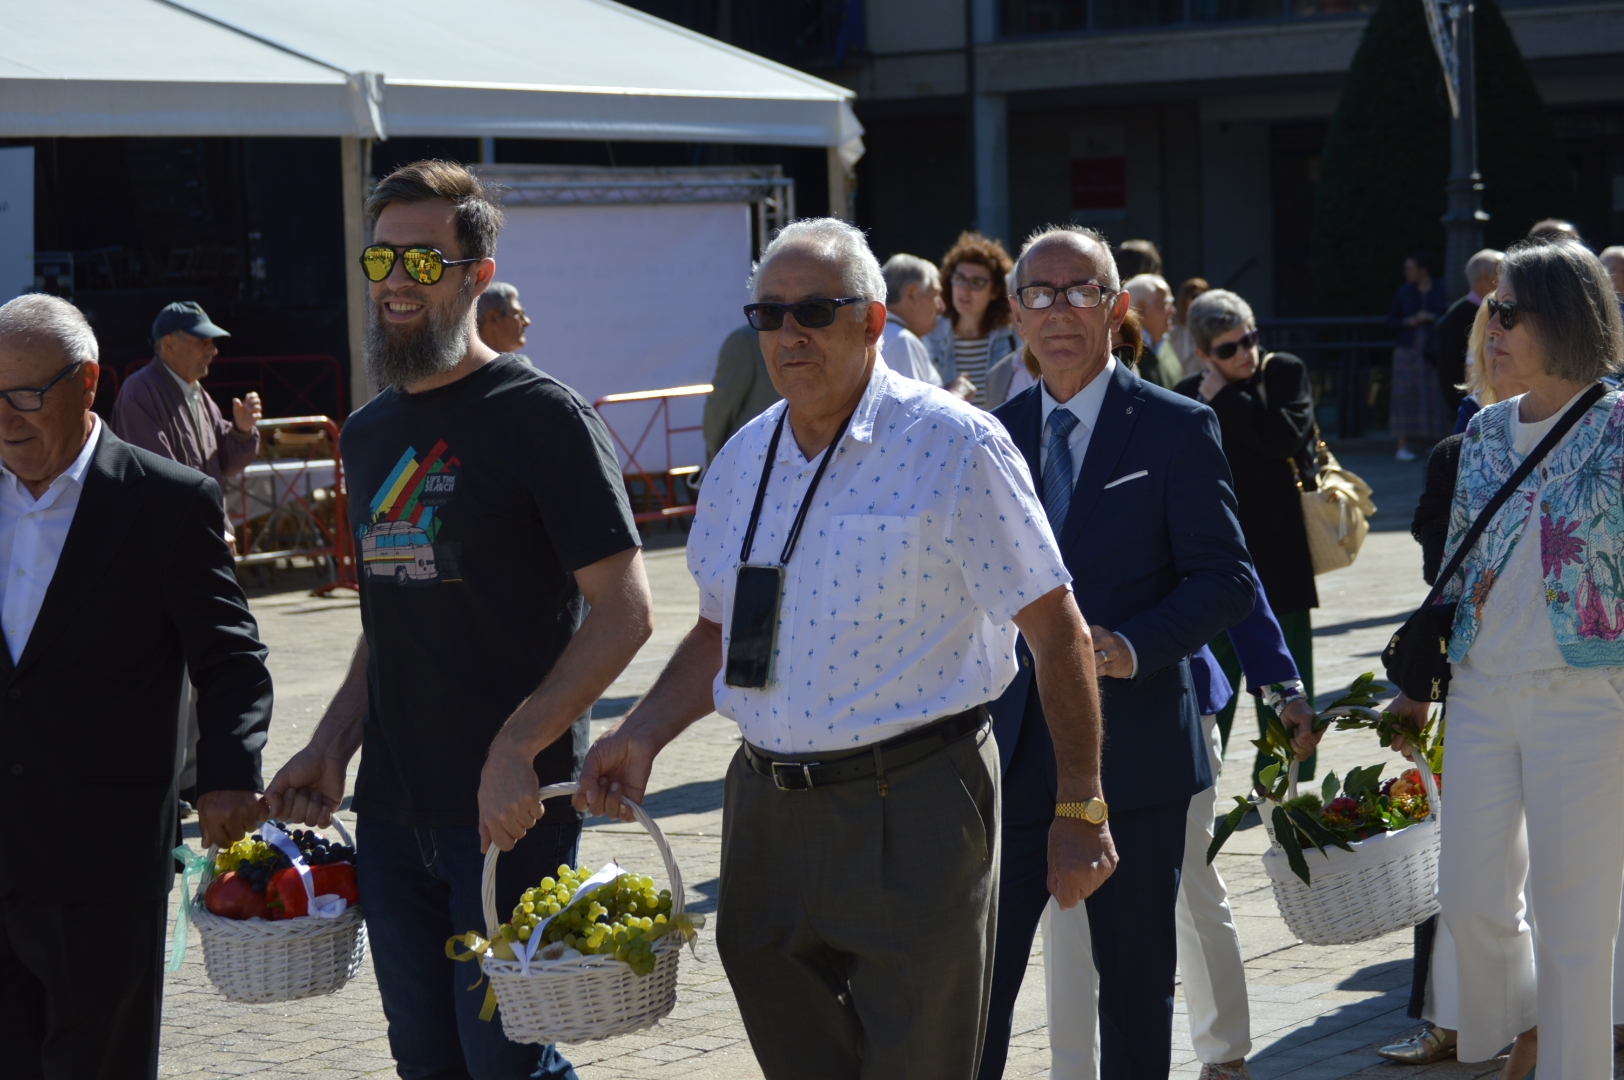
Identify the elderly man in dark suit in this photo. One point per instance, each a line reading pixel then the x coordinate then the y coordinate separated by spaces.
pixel 116 581
pixel 1138 492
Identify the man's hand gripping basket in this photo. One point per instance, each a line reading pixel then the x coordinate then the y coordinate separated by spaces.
pixel 1386 883
pixel 586 997
pixel 258 961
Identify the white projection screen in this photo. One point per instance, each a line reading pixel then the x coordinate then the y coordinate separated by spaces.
pixel 625 298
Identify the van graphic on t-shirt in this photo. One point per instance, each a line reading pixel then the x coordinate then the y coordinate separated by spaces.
pixel 400 542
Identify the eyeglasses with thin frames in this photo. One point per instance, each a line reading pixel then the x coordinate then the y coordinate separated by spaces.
pixel 25 399
pixel 1082 295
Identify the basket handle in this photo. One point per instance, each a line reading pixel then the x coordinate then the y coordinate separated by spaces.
pixel 487 884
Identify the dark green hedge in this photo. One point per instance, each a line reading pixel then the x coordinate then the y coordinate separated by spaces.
pixel 1386 160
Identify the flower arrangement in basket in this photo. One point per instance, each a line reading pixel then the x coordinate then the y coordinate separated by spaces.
pixel 279 914
pixel 1352 866
pixel 582 957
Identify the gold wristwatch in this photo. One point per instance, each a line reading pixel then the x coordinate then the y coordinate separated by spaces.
pixel 1094 811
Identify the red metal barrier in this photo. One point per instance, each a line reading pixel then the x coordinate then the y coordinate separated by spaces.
pixel 299 455
pixel 658 499
pixel 300 385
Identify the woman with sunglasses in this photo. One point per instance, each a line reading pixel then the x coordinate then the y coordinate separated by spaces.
pixel 975 333
pixel 1416 408
pixel 1266 415
pixel 1536 721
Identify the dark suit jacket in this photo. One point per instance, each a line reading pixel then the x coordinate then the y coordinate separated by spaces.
pixel 89 714
pixel 1158 559
pixel 1453 331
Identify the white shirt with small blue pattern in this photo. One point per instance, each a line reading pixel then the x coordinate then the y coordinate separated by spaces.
pixel 924 539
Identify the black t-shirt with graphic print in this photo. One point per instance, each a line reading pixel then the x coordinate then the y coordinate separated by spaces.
pixel 471 506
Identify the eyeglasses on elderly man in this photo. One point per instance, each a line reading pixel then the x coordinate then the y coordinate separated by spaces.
pixel 809 314
pixel 1083 295
pixel 29 399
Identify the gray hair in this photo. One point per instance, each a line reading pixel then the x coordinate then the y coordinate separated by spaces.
pixel 1144 286
pixel 903 270
pixel 1486 261
pixel 1572 310
pixel 499 297
pixel 40 317
pixel 1214 313
pixel 832 240
pixel 1104 264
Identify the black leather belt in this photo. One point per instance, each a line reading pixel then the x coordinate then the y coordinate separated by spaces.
pixel 873 760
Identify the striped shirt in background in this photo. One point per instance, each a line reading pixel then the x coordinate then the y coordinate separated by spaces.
pixel 971 354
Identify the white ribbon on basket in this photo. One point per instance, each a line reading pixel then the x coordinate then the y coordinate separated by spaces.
pixel 610 871
pixel 325 906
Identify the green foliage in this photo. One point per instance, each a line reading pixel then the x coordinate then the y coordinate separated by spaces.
pixel 1386 159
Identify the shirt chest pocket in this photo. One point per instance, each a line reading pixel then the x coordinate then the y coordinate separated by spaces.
pixel 871 570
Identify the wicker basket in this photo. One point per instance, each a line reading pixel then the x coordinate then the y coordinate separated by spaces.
pixel 258 961
pixel 1386 883
pixel 589 997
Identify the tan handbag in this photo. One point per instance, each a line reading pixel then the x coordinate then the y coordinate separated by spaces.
pixel 1335 513
pixel 1336 504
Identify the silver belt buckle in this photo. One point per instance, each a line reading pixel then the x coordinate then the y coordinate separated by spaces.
pixel 806 774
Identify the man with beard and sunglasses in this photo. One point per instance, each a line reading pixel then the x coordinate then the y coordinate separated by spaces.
pixel 489 514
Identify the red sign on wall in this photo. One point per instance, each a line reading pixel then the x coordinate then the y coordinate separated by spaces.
pixel 1099 174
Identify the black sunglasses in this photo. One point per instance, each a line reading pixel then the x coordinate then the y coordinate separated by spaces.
pixel 1230 348
pixel 424 265
pixel 809 314
pixel 29 400
pixel 1507 310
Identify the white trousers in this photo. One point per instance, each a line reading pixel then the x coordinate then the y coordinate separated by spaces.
pixel 1535 792
pixel 1210 964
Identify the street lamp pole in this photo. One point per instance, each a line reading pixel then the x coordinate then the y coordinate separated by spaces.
pixel 1463 222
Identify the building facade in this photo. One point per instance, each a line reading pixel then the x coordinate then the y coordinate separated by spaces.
pixel 1195 123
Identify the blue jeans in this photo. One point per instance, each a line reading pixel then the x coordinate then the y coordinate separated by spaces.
pixel 418 888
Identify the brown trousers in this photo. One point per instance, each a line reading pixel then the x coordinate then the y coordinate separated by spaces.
pixel 857 930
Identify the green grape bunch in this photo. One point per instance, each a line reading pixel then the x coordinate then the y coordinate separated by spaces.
pixel 622 918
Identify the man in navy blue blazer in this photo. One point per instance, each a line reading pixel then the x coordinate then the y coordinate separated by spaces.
pixel 1140 498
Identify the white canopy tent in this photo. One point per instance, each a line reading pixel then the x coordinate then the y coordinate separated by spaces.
pixel 368 69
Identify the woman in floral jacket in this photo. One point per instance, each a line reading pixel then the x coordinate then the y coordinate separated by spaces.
pixel 1536 720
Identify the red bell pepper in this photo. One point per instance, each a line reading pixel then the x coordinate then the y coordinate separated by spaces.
pixel 230 897
pixel 286 893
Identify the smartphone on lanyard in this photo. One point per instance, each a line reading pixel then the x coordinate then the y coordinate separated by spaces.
pixel 753 631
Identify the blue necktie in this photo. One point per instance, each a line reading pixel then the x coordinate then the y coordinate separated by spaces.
pixel 1057 473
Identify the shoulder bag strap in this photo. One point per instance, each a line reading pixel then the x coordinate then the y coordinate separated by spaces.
pixel 1550 440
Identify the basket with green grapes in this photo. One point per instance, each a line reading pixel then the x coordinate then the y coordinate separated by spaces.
pixel 581 956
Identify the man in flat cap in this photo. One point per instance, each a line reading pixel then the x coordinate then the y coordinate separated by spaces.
pixel 162 408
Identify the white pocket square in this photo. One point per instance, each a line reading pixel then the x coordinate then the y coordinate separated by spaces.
pixel 1125 479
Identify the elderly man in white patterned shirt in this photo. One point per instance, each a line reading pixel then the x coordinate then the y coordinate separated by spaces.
pixel 864 552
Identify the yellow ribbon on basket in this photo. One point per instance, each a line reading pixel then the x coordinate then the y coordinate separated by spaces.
pixel 477 948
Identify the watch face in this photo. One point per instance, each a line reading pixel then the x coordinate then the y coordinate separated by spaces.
pixel 1094 811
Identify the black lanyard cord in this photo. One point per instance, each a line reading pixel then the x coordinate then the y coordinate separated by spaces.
pixel 806 502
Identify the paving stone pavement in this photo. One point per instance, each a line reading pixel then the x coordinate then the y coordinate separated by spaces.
pixel 1316 1012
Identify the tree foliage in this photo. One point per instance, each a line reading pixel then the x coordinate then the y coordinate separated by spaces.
pixel 1386 160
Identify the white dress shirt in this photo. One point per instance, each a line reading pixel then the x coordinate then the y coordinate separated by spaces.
pixel 924 539
pixel 32 532
pixel 1085 405
pixel 903 349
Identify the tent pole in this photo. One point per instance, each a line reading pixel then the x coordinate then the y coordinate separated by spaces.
pixel 840 186
pixel 353 160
